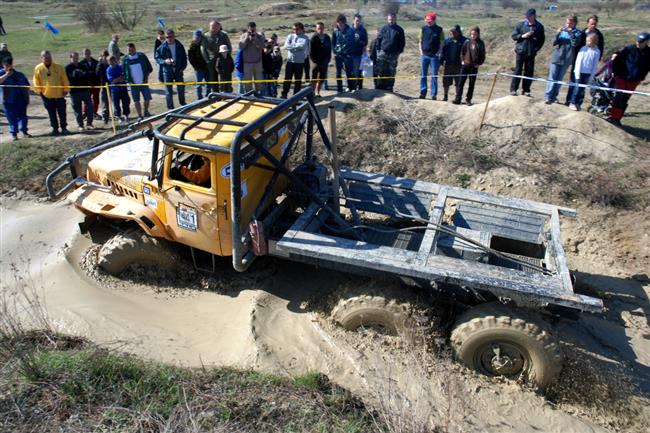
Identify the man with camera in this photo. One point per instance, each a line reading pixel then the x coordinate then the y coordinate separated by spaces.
pixel 567 38
pixel 529 38
pixel 251 44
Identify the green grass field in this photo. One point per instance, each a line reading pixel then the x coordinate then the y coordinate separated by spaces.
pixel 27 35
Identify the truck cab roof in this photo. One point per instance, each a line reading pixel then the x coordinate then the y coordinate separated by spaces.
pixel 232 117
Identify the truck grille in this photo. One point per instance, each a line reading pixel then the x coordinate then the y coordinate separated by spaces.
pixel 122 190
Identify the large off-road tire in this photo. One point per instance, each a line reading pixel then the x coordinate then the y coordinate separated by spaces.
pixel 498 341
pixel 125 249
pixel 386 310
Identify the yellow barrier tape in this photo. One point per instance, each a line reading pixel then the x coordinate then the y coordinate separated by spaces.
pixel 279 80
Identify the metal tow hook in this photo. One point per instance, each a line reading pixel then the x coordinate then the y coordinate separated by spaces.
pixel 500 363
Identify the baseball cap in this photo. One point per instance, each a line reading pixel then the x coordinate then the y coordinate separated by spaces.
pixel 643 37
pixel 223 49
pixel 456 29
pixel 197 33
pixel 252 24
pixel 530 12
pixel 430 17
pixel 3 45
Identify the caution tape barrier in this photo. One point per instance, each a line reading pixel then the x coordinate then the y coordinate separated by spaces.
pixel 281 80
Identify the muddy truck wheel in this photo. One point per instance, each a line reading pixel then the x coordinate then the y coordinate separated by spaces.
pixel 126 249
pixel 498 341
pixel 388 310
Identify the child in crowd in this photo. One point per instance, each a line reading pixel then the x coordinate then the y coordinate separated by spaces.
pixel 225 66
pixel 585 68
pixel 119 93
pixel 277 67
pixel 267 72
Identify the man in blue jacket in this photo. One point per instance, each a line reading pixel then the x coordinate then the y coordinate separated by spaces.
pixel 15 99
pixel 529 38
pixel 390 44
pixel 431 42
pixel 172 57
pixel 343 41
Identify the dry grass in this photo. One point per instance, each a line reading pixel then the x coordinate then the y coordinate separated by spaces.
pixel 51 382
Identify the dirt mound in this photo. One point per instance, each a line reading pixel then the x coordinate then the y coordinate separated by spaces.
pixel 279 8
pixel 511 120
pixel 526 148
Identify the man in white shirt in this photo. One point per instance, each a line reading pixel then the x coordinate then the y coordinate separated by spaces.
pixel 297 45
pixel 136 71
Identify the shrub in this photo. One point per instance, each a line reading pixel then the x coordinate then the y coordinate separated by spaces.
pixel 93 15
pixel 127 16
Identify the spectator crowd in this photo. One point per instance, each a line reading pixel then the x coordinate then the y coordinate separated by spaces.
pixel 119 78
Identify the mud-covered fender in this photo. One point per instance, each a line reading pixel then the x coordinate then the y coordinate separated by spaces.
pixel 100 200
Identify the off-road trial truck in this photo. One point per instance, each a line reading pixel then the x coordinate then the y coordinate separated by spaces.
pixel 498 260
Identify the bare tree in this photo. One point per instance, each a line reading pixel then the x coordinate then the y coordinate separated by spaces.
pixel 127 16
pixel 92 14
pixel 390 7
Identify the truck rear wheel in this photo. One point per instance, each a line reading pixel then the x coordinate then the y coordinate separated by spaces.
pixel 386 311
pixel 130 248
pixel 498 341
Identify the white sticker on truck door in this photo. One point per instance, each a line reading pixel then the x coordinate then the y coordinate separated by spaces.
pixel 186 217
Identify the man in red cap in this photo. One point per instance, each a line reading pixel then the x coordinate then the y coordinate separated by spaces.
pixel 430 48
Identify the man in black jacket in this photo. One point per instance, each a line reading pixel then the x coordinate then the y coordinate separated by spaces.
pixel 321 54
pixel 390 44
pixel 529 38
pixel 631 66
pixel 90 63
pixel 451 59
pixel 78 75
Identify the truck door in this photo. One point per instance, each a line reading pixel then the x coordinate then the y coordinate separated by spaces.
pixel 190 195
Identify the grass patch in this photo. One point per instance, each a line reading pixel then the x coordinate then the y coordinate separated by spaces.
pixel 24 164
pixel 87 388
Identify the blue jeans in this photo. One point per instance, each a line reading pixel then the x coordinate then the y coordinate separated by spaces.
pixel 177 77
pixel 555 73
pixel 572 89
pixel 344 62
pixel 16 117
pixel 121 102
pixel 270 88
pixel 578 94
pixel 201 76
pixel 356 71
pixel 434 62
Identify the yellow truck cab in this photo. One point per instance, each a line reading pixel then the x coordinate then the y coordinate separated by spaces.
pixel 185 195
